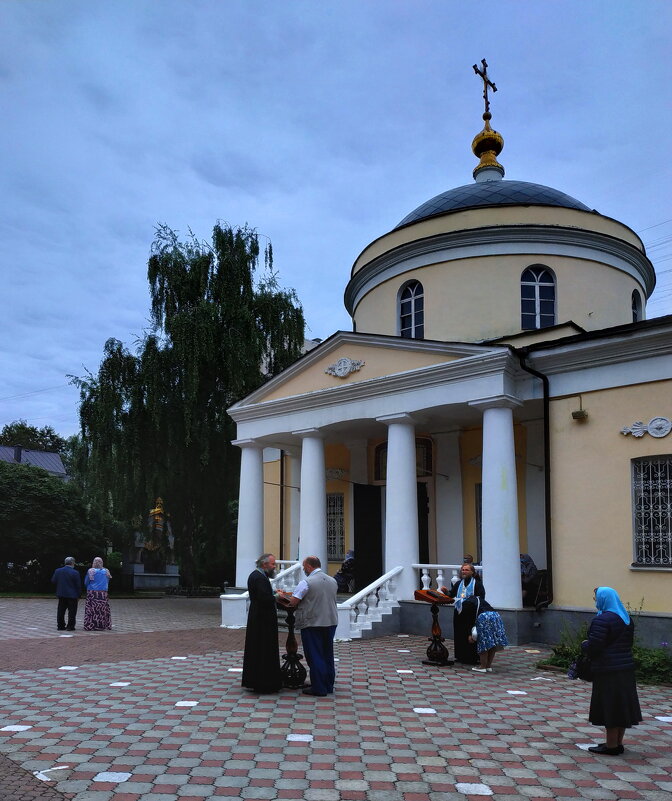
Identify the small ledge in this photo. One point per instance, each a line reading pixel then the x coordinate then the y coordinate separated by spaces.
pixel 651 568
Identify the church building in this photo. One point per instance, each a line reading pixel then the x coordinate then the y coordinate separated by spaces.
pixel 501 392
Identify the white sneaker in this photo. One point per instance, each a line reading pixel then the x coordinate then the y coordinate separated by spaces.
pixel 489 670
pixel 479 670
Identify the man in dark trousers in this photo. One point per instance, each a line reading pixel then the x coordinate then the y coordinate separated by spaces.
pixel 316 618
pixel 261 661
pixel 68 589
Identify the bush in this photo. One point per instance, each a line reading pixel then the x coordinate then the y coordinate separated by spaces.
pixel 652 665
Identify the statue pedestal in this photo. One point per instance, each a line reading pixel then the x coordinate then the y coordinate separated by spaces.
pixel 140 580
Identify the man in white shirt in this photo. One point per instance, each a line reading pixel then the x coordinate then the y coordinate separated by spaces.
pixel 316 619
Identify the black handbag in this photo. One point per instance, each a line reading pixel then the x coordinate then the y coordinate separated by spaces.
pixel 581 668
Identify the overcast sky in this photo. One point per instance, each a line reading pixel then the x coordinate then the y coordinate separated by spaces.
pixel 321 124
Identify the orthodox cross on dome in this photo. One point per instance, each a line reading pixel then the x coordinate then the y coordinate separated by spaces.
pixel 487 83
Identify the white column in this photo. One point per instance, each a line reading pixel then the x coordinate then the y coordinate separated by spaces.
pixel 500 532
pixel 250 539
pixel 401 494
pixel 294 503
pixel 313 504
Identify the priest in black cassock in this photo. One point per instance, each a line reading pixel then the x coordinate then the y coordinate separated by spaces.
pixel 261 662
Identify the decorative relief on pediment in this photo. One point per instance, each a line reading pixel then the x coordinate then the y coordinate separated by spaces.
pixel 656 427
pixel 344 366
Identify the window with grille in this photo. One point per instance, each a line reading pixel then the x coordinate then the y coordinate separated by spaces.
pixel 652 511
pixel 412 311
pixel 537 298
pixel 335 527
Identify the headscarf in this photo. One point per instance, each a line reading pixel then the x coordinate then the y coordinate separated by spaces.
pixel 607 600
pixel 97 564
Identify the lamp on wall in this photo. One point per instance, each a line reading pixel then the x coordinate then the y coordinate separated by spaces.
pixel 580 414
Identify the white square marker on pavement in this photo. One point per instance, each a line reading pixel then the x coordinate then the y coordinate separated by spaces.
pixel 664 719
pixel 532 651
pixel 66 635
pixel 15 728
pixel 473 789
pixel 187 703
pixel 235 670
pixel 402 635
pixel 42 774
pixel 403 651
pixel 516 692
pixel 113 778
pixel 300 738
pixel 178 657
pixel 120 684
pixel 424 710
pixel 68 667
pixel 541 678
pixel 404 671
pixel 585 746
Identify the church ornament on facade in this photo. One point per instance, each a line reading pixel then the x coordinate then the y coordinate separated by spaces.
pixel 343 367
pixel 657 427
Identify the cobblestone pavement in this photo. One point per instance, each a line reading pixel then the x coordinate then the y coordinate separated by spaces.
pixel 134 725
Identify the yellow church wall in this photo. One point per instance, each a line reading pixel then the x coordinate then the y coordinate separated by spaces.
pixel 507 215
pixel 591 491
pixel 272 508
pixel 491 284
pixel 378 361
pixel 338 457
pixel 471 450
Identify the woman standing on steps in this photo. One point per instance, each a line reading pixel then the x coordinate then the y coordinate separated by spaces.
pixel 614 703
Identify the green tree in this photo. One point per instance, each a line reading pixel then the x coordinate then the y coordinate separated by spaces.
pixel 42 519
pixel 154 422
pixel 30 437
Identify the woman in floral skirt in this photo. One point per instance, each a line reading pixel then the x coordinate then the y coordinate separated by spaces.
pixel 97 610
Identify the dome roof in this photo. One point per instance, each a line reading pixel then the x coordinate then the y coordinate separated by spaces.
pixel 492 193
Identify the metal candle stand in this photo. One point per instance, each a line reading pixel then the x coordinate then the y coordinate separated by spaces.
pixel 437 653
pixel 293 672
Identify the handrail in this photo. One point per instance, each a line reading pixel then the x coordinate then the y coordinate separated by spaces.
pixel 355 599
pixel 281 575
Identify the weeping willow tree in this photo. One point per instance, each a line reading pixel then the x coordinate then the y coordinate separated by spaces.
pixel 154 422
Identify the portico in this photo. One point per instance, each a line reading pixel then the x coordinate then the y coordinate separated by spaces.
pixel 470 389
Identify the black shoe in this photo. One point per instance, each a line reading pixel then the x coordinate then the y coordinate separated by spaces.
pixel 312 692
pixel 603 748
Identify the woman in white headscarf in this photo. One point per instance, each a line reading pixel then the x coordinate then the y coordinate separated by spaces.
pixel 614 703
pixel 97 615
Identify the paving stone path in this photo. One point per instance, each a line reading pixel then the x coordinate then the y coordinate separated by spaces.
pixel 154 711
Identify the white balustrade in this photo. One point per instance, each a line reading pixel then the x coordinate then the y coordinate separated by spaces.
pixel 234 607
pixel 430 582
pixel 368 606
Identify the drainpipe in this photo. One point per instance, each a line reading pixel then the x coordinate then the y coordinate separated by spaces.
pixel 547 468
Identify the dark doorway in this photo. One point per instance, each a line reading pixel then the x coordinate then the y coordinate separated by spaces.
pixel 423 524
pixel 368 534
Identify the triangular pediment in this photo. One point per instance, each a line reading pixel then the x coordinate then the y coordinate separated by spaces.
pixel 349 358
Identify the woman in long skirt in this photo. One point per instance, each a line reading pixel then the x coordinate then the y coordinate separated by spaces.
pixel 614 703
pixel 97 610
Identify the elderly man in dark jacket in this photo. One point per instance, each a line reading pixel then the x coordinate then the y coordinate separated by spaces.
pixel 614 703
pixel 68 589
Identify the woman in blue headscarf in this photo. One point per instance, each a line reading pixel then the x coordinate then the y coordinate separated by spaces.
pixel 614 703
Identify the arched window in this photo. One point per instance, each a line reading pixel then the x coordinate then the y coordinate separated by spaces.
pixel 423 459
pixel 412 311
pixel 636 307
pixel 537 298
